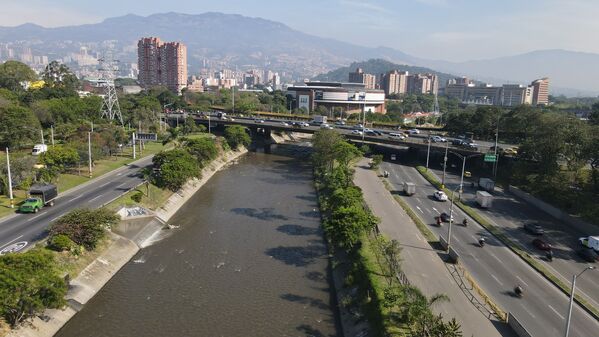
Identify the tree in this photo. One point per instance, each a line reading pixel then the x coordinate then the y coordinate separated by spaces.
pixel 204 149
pixel 19 127
pixel 60 81
pixel 60 157
pixel 594 116
pixel 175 168
pixel 29 284
pixel 84 226
pixel 377 159
pixel 323 143
pixel 14 73
pixel 147 174
pixel 236 135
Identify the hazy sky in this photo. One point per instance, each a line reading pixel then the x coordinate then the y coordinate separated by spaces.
pixel 441 29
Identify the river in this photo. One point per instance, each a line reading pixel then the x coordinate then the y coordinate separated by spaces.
pixel 248 260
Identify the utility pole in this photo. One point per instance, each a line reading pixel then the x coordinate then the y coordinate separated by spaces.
pixel 428 152
pixel 495 163
pixel 133 143
pixel 92 126
pixel 574 277
pixel 89 152
pixel 209 129
pixel 444 165
pixel 52 134
pixel 42 132
pixel 12 201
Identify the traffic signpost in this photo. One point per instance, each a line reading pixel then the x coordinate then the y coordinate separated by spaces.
pixel 490 158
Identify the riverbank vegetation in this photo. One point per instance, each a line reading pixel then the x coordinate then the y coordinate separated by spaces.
pixel 391 306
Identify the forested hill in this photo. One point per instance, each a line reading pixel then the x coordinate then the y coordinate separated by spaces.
pixel 377 67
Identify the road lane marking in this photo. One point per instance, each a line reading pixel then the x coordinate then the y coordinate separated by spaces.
pixel 55 218
pixel 522 281
pixel 35 217
pixel 420 210
pixel 435 210
pixel 556 312
pixel 119 174
pixel 496 279
pixel 11 241
pixel 123 184
pixel 90 200
pixel 496 258
pixel 104 184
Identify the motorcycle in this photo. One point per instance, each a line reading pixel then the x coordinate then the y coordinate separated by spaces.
pixel 481 243
pixel 519 291
pixel 465 223
pixel 439 221
pixel 549 256
pixel 386 174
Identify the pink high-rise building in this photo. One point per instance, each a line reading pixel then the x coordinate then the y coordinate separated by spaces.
pixel 162 63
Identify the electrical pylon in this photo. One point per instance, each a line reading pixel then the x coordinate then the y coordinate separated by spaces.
pixel 110 103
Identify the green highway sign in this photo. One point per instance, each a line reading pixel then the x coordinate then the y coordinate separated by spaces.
pixel 490 158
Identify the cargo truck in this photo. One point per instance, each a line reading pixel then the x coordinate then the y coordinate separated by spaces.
pixel 590 242
pixel 409 188
pixel 486 184
pixel 39 196
pixel 484 199
pixel 319 119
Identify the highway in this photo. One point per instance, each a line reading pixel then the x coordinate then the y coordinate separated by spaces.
pixel 510 214
pixel 19 231
pixel 497 270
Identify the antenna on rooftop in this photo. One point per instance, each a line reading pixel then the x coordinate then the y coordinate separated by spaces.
pixel 110 103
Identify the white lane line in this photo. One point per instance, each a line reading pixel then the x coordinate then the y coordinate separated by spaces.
pixel 104 184
pixel 94 198
pixel 34 217
pixel 496 258
pixel 419 237
pixel 11 241
pixel 55 218
pixel 496 279
pixel 119 174
pixel 556 312
pixel 77 197
pixel 522 281
pixel 420 210
pixel 123 184
pixel 419 201
pixel 435 210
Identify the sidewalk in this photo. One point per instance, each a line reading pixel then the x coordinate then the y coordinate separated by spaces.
pixel 421 264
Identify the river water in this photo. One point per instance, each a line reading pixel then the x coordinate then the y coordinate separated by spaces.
pixel 248 260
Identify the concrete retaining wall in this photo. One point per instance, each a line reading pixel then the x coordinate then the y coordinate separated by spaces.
pixel 584 228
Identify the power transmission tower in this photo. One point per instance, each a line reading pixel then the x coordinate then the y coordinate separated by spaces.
pixel 110 104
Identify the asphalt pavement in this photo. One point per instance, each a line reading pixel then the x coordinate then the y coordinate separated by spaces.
pixel 422 264
pixel 19 231
pixel 543 308
pixel 510 214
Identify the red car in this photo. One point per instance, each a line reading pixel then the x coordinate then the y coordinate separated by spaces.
pixel 540 244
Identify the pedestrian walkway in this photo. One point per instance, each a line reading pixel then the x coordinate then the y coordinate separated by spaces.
pixel 420 262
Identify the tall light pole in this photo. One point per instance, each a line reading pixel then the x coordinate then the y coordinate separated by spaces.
pixel 233 95
pixel 444 165
pixel 450 219
pixel 495 163
pixel 12 201
pixel 42 133
pixel 574 277
pixel 133 143
pixel 52 134
pixel 428 151
pixel 89 152
pixel 464 158
pixel 363 121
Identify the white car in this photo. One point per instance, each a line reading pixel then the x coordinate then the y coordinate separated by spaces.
pixel 358 126
pixel 339 123
pixel 438 139
pixel 284 123
pixel 325 126
pixel 357 132
pixel 304 124
pixel 440 195
pixel 413 132
pixel 397 136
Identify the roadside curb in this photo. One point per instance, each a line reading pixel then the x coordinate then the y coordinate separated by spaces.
pixel 516 248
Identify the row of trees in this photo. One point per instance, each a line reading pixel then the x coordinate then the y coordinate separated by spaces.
pixel 350 226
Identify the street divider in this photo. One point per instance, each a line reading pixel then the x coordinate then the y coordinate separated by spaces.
pixel 516 326
pixel 516 248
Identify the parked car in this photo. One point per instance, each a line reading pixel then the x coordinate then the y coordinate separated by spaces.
pixel 588 254
pixel 541 244
pixel 534 228
pixel 445 217
pixel 440 196
pixel 438 139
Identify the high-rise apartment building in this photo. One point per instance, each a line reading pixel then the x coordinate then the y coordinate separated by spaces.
pixel 359 76
pixel 423 84
pixel 394 82
pixel 540 94
pixel 162 63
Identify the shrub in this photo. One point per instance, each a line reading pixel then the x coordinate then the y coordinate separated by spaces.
pixel 236 135
pixel 204 149
pixel 175 168
pixel 137 196
pixel 84 226
pixel 61 243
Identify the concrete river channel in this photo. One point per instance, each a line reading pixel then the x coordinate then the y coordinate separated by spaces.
pixel 248 259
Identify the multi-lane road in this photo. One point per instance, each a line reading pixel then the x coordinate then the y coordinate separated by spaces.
pixel 542 310
pixel 21 230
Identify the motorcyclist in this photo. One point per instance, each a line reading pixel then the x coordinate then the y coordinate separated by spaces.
pixel 386 174
pixel 465 222
pixel 518 290
pixel 481 241
pixel 439 221
pixel 549 255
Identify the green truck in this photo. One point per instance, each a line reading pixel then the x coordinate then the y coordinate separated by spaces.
pixel 39 196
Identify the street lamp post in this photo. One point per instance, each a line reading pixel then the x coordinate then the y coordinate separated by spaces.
pixel 12 202
pixel 574 277
pixel 52 134
pixel 444 165
pixel 89 152
pixel 495 163
pixel 450 219
pixel 464 158
pixel 428 151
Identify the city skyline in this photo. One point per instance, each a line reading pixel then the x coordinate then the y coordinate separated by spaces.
pixel 455 30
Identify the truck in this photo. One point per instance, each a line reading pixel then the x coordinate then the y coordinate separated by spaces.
pixel 409 188
pixel 39 196
pixel 486 184
pixel 484 199
pixel 39 149
pixel 590 242
pixel 319 119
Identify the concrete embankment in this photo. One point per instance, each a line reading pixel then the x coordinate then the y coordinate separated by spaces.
pixel 87 284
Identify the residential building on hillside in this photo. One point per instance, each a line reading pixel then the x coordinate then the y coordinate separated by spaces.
pixel 423 84
pixel 359 76
pixel 337 96
pixel 162 64
pixel 394 82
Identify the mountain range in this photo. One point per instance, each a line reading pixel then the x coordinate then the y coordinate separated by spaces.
pixel 235 40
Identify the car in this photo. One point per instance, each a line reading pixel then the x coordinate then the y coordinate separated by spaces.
pixel 304 124
pixel 31 205
pixel 457 142
pixel 339 123
pixel 284 124
pixel 472 146
pixel 326 126
pixel 370 133
pixel 440 195
pixel 377 132
pixel 534 228
pixel 259 120
pixel 231 119
pixel 397 136
pixel 358 126
pixel 541 244
pixel 588 254
pixel 445 217
pixel 511 151
pixel 357 132
pixel 413 131
pixel 438 139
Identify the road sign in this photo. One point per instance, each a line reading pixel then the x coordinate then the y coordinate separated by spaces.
pixel 490 158
pixel 147 136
